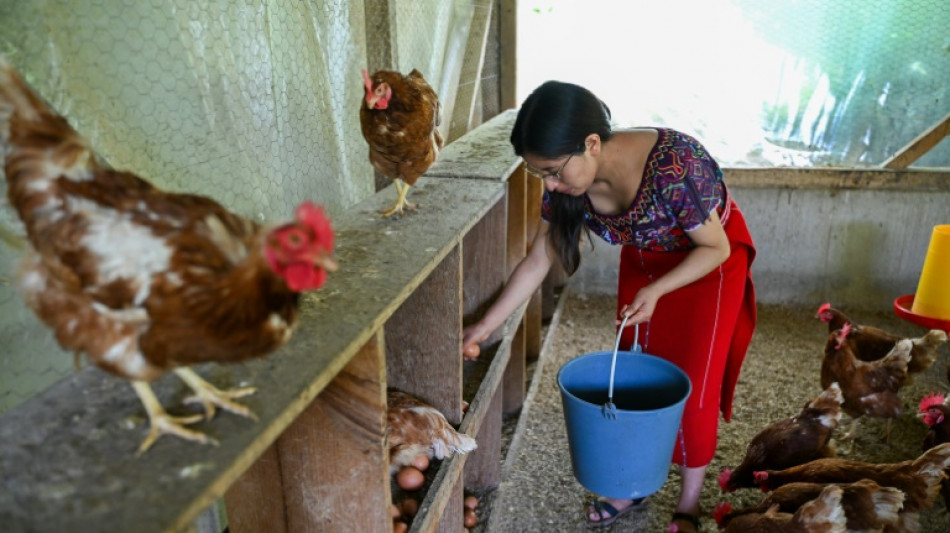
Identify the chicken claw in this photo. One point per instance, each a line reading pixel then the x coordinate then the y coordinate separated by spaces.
pixel 210 396
pixel 161 423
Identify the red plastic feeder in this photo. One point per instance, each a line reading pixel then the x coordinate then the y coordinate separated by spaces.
pixel 903 305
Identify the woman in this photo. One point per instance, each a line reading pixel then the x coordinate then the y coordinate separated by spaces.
pixel 685 277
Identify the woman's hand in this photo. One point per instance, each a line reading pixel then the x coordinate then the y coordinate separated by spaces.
pixel 641 308
pixel 471 336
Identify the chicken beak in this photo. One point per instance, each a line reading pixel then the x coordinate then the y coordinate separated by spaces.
pixel 326 262
pixel 368 84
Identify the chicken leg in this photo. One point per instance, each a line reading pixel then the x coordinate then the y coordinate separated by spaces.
pixel 161 423
pixel 402 189
pixel 210 396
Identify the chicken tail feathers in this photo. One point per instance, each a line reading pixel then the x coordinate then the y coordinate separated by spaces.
pixel 452 442
pixel 933 462
pixel 888 501
pixel 38 143
pixel 824 513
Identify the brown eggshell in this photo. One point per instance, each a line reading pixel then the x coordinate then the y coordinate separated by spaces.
pixel 471 351
pixel 421 462
pixel 394 511
pixel 464 406
pixel 410 478
pixel 410 507
pixel 471 519
pixel 400 527
pixel 471 502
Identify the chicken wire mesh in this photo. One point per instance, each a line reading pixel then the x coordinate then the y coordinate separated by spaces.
pixel 761 83
pixel 254 104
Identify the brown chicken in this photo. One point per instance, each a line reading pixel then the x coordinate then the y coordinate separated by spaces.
pixel 400 121
pixel 416 428
pixel 870 343
pixel 789 442
pixel 869 388
pixel 143 281
pixel 935 412
pixel 823 514
pixel 919 479
pixel 867 505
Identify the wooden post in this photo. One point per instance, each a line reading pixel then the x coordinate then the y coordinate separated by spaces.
pixel 533 314
pixel 920 146
pixel 424 340
pixel 484 269
pixel 334 450
pixel 514 388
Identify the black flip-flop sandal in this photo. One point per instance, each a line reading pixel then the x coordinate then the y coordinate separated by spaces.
pixel 692 519
pixel 608 513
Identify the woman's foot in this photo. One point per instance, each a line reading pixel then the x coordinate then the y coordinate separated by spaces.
pixel 684 523
pixel 604 511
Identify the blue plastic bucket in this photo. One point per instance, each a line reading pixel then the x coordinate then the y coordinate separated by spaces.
pixel 623 448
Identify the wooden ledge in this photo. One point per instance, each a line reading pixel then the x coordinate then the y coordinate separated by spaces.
pixel 482 153
pixel 870 179
pixel 67 456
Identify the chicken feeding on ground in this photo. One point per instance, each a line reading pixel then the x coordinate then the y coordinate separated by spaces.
pixel 869 343
pixel 935 412
pixel 790 441
pixel 869 387
pixel 919 479
pixel 400 120
pixel 416 428
pixel 823 514
pixel 867 506
pixel 143 281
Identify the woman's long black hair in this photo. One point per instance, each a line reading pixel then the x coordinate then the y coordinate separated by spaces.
pixel 554 121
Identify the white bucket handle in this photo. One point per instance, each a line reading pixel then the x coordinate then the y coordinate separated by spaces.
pixel 610 410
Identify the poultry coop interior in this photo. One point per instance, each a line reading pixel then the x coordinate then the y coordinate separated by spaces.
pixel 256 106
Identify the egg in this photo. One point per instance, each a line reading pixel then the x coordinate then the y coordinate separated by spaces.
pixel 410 507
pixel 420 463
pixel 410 478
pixel 394 511
pixel 400 527
pixel 464 406
pixel 471 519
pixel 471 351
pixel 471 502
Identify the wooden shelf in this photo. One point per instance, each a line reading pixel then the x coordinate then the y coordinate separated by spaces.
pixel 316 459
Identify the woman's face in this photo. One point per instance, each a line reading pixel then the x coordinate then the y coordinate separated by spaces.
pixel 562 174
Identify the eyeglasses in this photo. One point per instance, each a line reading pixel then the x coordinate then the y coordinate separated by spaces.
pixel 556 174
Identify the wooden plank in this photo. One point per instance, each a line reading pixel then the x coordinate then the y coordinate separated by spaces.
pixel 334 459
pixel 483 466
pixel 513 389
pixel 257 498
pixel 483 270
pixel 470 77
pixel 483 153
pixel 535 312
pixel 443 487
pixel 424 340
pixel 84 475
pixel 516 250
pixel 838 178
pixel 919 146
pixel 509 52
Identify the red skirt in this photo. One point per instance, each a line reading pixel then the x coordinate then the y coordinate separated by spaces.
pixel 704 328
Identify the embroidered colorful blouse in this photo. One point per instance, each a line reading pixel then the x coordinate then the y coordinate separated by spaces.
pixel 681 185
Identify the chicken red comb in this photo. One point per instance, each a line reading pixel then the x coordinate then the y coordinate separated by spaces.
pixel 822 308
pixel 761 477
pixel 931 400
pixel 723 480
pixel 367 82
pixel 722 509
pixel 316 219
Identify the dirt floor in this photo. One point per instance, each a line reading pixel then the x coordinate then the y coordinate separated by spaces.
pixel 539 493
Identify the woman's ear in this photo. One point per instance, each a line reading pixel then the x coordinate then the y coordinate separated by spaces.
pixel 592 144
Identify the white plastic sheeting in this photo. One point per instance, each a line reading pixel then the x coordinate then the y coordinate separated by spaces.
pixel 253 103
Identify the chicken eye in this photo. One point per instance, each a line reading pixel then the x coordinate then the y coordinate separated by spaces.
pixel 294 239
